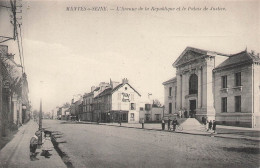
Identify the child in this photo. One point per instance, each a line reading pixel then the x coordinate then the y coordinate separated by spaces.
pixel 33 145
pixel 47 144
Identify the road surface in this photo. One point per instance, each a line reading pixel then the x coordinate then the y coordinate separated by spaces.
pixel 91 145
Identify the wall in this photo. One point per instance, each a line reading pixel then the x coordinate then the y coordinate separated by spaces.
pixel 232 117
pixel 256 103
pixel 122 99
pixel 170 99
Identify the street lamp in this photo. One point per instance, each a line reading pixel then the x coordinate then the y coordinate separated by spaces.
pixel 40 116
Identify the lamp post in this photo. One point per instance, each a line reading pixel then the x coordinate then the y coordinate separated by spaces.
pixel 40 118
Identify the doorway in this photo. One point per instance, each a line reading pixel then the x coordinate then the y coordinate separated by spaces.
pixel 192 108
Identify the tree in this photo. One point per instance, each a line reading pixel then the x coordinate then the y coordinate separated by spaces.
pixel 156 103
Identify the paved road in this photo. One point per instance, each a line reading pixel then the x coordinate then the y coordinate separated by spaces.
pixel 90 145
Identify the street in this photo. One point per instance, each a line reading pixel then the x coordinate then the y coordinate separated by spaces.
pixel 91 145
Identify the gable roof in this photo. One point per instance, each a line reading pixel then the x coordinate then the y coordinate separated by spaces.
pixel 196 53
pixel 172 80
pixel 121 85
pixel 111 91
pixel 237 59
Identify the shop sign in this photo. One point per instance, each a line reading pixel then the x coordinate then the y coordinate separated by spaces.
pixel 126 97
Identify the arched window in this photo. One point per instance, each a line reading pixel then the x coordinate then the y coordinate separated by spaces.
pixel 193 84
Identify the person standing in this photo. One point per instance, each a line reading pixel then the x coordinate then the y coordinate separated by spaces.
pixel 169 124
pixel 210 124
pixel 214 126
pixel 174 123
pixel 163 124
pixel 33 145
pixel 142 123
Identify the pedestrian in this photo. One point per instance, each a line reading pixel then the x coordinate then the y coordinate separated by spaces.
pixel 214 126
pixel 174 123
pixel 203 120
pixel 142 123
pixel 185 114
pixel 33 145
pixel 169 124
pixel 47 145
pixel 210 124
pixel 163 124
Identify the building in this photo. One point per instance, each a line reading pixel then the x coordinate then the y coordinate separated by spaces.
pixel 117 102
pixel 88 109
pixel 14 101
pixel 217 86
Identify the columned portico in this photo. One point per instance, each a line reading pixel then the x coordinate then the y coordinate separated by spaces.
pixel 194 84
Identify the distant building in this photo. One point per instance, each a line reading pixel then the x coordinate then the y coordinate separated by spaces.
pixel 217 86
pixel 117 102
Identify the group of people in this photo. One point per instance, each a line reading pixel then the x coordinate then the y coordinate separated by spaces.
pixel 170 122
pixel 46 145
pixel 209 124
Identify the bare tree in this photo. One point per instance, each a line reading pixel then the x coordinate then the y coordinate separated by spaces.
pixel 156 103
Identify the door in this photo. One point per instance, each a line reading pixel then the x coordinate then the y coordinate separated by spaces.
pixel 192 108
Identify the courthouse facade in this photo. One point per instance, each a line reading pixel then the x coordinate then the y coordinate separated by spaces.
pixel 221 87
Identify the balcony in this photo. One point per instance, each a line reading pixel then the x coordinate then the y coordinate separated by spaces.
pixel 237 88
pixel 224 90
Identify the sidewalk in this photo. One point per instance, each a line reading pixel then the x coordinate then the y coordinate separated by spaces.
pixel 222 131
pixel 16 152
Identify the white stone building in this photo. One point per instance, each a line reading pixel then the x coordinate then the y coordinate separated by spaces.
pixel 215 85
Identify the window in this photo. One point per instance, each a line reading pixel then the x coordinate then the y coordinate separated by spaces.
pixel 238 79
pixel 237 103
pixel 175 93
pixel 132 106
pixel 224 81
pixel 141 109
pixel 157 117
pixel 147 107
pixel 170 91
pixel 170 108
pixel 224 104
pixel 193 84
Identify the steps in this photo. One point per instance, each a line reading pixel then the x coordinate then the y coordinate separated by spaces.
pixel 192 124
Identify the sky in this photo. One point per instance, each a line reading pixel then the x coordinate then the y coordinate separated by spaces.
pixel 70 51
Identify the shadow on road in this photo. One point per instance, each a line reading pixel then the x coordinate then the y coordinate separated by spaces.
pixel 247 150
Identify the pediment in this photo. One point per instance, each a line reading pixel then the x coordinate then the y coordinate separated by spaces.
pixel 187 57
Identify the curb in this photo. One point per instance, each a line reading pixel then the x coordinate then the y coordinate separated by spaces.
pixel 189 133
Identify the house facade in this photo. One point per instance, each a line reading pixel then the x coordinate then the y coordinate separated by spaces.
pixel 118 102
pixel 217 86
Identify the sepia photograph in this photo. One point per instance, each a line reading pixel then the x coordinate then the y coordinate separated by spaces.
pixel 138 84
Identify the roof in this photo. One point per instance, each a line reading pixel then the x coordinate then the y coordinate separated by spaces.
pixel 111 91
pixel 196 53
pixel 237 59
pixel 172 80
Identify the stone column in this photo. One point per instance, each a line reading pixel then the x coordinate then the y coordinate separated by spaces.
pixel 179 91
pixel 184 89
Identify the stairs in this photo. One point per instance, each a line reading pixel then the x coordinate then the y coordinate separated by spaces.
pixel 192 124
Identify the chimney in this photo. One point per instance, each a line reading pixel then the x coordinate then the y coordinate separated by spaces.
pixel 93 88
pixel 125 80
pixel 253 52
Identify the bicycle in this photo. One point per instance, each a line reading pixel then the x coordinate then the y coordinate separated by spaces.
pixel 178 128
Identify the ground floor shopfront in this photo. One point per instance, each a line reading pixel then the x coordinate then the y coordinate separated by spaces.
pixel 120 116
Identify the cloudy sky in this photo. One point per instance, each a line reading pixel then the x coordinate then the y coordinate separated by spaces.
pixel 70 51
